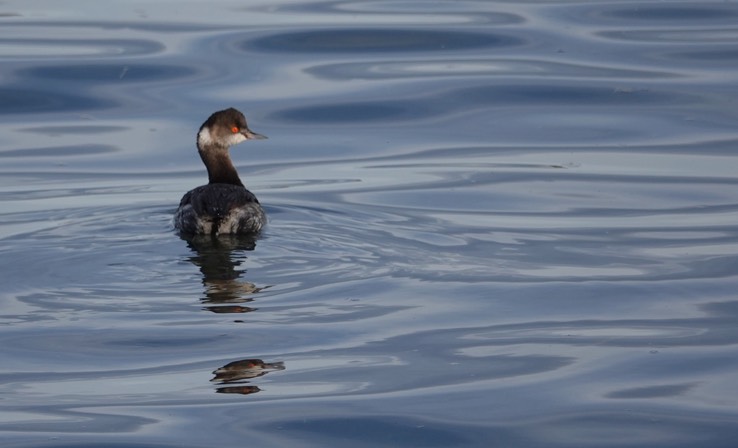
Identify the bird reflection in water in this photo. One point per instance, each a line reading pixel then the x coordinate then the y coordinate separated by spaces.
pixel 219 259
pixel 239 372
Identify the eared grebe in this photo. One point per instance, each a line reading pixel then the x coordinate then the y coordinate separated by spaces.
pixel 224 205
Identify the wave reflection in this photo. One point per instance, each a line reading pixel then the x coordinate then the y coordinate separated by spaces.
pixel 373 40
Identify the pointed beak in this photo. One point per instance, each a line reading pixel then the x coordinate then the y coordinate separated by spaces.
pixel 252 135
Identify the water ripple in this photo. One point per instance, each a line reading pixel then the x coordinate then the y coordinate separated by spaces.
pixel 101 73
pixel 668 13
pixel 373 40
pixel 65 48
pixel 383 12
pixel 448 68
pixel 523 210
pixel 16 100
pixel 674 12
pixel 689 36
pixel 468 99
pixel 60 151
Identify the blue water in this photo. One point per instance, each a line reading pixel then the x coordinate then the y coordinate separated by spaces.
pixel 491 224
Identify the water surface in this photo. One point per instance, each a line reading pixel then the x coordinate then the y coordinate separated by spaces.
pixel 491 223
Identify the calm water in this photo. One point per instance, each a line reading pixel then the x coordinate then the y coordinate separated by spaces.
pixel 491 224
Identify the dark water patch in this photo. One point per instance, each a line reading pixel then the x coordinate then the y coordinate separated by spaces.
pixel 567 95
pixel 650 14
pixel 363 112
pixel 60 193
pixel 107 73
pixel 674 12
pixel 61 151
pixel 73 130
pixel 728 309
pixel 459 422
pixel 444 155
pixel 112 443
pixel 457 155
pixel 713 331
pixel 690 36
pixel 725 57
pixel 655 427
pixel 26 101
pixel 131 351
pixel 156 343
pixel 420 6
pixel 376 40
pixel 659 391
pixel 465 99
pixel 373 431
pixel 703 191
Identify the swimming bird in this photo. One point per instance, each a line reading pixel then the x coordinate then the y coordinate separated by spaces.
pixel 224 205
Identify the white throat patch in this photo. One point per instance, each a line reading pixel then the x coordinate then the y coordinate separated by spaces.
pixel 204 138
pixel 237 138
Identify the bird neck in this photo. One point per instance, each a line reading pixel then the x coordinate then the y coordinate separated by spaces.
pixel 219 165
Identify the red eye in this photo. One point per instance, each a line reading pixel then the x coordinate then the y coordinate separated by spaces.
pixel 235 129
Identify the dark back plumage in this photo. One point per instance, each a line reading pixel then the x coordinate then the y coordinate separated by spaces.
pixel 224 205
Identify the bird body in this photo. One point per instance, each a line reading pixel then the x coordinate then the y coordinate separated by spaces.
pixel 223 205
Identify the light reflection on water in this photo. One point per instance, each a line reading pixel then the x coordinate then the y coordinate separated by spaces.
pixel 489 221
